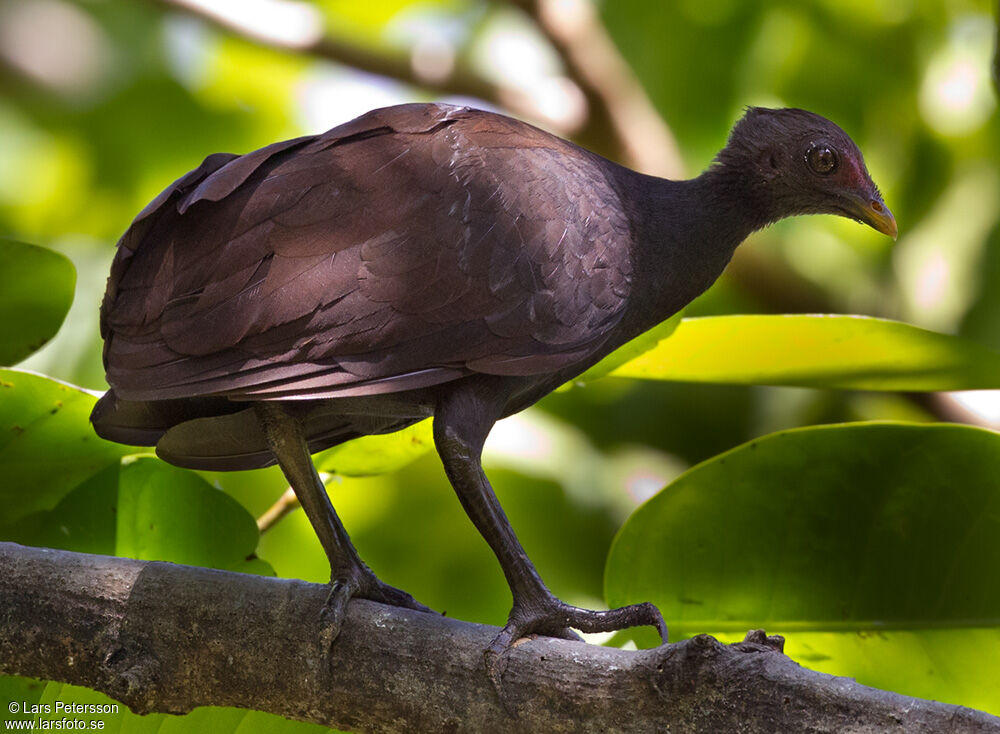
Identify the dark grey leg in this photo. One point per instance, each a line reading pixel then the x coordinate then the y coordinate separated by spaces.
pixel 349 576
pixel 461 425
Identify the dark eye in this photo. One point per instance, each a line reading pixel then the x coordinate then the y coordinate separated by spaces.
pixel 822 159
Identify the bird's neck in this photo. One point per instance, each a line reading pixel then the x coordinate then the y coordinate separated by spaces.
pixel 736 203
pixel 685 233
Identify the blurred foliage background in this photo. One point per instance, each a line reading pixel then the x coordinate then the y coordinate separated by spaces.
pixel 104 102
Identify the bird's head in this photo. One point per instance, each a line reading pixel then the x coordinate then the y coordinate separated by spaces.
pixel 796 162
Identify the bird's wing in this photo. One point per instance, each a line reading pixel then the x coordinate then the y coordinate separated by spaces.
pixel 411 246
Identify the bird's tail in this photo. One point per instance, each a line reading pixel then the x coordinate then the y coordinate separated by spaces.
pixel 214 434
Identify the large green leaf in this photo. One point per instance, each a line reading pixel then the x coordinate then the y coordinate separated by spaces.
pixel 170 514
pixel 61 486
pixel 84 520
pixel 870 545
pixel 382 454
pixel 47 446
pixel 947 664
pixel 116 717
pixel 149 510
pixel 36 290
pixel 856 526
pixel 26 691
pixel 849 352
pixel 629 351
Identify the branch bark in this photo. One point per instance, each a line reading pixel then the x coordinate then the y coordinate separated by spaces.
pixel 162 637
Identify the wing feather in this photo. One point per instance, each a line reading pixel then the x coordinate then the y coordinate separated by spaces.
pixel 411 246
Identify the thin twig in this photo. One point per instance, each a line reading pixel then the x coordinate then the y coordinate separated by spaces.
pixel 286 503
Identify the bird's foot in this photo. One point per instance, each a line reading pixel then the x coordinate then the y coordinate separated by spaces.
pixel 549 616
pixel 359 583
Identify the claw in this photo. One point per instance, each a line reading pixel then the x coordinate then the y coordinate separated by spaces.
pixel 567 633
pixel 349 586
pixel 495 661
pixel 393 597
pixel 556 618
pixel 333 612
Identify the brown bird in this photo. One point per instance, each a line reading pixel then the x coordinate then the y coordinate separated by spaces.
pixel 425 260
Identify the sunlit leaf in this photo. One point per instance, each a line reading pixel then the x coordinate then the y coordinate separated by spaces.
pixel 36 290
pixel 259 722
pixel 865 544
pixel 116 717
pixel 848 352
pixel 57 694
pixel 47 446
pixel 640 345
pixel 26 691
pixel 370 455
pixel 947 665
pixel 845 527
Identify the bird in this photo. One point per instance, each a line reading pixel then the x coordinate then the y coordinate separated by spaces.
pixel 426 260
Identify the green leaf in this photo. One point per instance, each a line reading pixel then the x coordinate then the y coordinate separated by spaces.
pixel 47 446
pixel 63 487
pixel 116 717
pixel 847 352
pixel 57 695
pixel 26 691
pixel 36 290
pixel 259 722
pixel 84 520
pixel 943 664
pixel 869 545
pixel 629 351
pixel 382 454
pixel 846 527
pixel 170 514
pixel 149 510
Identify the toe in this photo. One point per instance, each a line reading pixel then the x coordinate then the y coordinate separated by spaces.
pixel 363 584
pixel 397 598
pixel 612 620
pixel 567 633
pixel 555 618
pixel 334 610
pixel 495 657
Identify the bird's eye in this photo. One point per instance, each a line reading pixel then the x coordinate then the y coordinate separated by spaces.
pixel 822 159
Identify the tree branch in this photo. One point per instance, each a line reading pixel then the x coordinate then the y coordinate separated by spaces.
pixel 621 122
pixel 399 67
pixel 458 81
pixel 996 51
pixel 619 107
pixel 162 637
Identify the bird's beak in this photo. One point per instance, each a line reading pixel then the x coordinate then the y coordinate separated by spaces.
pixel 871 210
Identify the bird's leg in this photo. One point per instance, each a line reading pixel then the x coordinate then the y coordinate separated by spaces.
pixel 461 424
pixel 349 575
